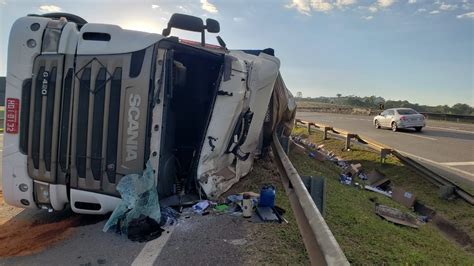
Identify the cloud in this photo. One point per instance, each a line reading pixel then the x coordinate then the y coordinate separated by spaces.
pixel 306 6
pixel 238 19
pixel 343 3
pixel 155 6
pixel 434 12
pixel 469 15
pixel 447 7
pixel 411 1
pixel 321 5
pixel 368 17
pixel 49 9
pixel 421 10
pixel 385 3
pixel 373 9
pixel 208 6
pixel 301 5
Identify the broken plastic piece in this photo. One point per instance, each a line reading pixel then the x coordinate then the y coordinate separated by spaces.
pixel 139 198
pixel 201 206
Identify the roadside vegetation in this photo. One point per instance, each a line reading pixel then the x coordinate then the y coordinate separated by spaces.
pixel 372 102
pixel 366 238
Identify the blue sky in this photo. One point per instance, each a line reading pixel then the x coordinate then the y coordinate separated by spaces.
pixel 418 50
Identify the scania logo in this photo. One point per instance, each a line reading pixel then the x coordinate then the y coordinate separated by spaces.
pixel 132 130
pixel 44 83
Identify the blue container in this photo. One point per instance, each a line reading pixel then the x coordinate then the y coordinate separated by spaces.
pixel 267 196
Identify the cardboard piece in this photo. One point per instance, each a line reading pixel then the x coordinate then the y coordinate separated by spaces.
pixel 356 168
pixel 403 197
pixel 377 179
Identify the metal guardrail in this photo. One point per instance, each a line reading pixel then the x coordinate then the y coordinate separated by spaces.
pixel 449 117
pixel 384 150
pixel 319 241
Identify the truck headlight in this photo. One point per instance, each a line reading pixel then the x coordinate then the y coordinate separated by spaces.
pixel 42 193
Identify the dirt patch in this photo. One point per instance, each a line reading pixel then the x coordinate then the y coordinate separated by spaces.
pixel 25 232
pixel 452 232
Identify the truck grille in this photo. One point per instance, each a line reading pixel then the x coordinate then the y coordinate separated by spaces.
pixel 76 121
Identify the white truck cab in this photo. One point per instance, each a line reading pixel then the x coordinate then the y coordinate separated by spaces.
pixel 87 104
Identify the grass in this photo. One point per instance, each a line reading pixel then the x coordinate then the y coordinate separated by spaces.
pixel 366 238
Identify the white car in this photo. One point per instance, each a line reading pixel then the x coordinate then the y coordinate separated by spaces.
pixel 396 118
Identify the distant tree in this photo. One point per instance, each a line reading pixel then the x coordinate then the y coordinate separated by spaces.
pixel 338 95
pixel 461 109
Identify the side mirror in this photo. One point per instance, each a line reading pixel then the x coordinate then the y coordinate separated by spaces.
pixel 212 26
pixel 184 22
pixel 191 23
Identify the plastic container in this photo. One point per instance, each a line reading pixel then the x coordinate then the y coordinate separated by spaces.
pixel 267 196
pixel 247 206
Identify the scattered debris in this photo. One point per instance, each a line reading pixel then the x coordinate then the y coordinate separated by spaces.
pixel 267 196
pixel 201 206
pixel 377 179
pixel 168 216
pixel 346 179
pixel 143 229
pixel 403 197
pixel 247 206
pixel 139 199
pixel 267 214
pixel 396 216
pixel 378 190
pixel 221 207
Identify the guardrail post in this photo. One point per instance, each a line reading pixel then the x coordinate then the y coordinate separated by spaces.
pixel 348 140
pixel 383 154
pixel 309 128
pixel 325 135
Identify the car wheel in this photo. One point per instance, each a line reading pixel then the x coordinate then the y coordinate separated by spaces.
pixel 377 125
pixel 394 126
pixel 418 129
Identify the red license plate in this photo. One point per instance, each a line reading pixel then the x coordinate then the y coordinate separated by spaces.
pixel 12 115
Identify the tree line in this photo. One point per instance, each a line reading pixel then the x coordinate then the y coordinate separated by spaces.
pixel 373 102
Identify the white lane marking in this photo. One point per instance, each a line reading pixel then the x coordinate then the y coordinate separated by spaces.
pixel 152 249
pixel 452 129
pixel 436 163
pixel 418 136
pixel 458 163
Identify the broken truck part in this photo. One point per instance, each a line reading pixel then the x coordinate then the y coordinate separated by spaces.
pixel 92 103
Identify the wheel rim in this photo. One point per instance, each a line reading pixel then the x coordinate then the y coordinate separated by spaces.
pixel 394 126
pixel 377 124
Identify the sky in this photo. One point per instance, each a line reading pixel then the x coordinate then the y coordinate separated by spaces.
pixel 416 50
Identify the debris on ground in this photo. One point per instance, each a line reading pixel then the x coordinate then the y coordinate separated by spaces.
pixel 267 214
pixel 396 216
pixel 201 206
pixel 139 200
pixel 143 229
pixel 346 179
pixel 378 190
pixel 267 196
pixel 403 197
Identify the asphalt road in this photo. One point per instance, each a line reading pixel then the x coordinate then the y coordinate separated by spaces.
pixel 446 147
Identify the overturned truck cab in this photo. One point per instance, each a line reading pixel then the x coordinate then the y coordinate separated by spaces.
pixel 87 104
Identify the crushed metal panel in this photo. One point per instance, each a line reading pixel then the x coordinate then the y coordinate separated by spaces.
pixel 396 216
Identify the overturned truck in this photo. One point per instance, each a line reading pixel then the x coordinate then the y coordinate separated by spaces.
pixel 87 104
